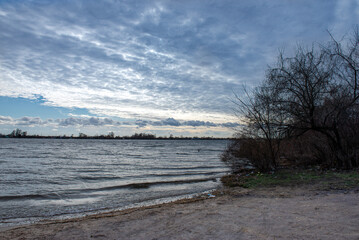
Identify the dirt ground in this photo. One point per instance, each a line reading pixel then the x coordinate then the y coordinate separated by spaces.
pixel 270 213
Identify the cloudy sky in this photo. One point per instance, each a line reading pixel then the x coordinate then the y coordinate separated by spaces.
pixel 165 67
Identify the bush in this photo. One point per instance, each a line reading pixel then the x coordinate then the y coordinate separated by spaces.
pixel 246 154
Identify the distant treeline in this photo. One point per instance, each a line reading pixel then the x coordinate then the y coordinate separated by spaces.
pixel 18 133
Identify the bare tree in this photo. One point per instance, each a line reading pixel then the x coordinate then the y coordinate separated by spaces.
pixel 262 121
pixel 347 62
pixel 314 94
pixel 345 98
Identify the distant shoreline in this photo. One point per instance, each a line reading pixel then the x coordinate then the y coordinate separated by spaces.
pixel 118 138
pixel 18 133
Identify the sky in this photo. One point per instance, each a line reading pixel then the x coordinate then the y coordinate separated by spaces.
pixel 160 67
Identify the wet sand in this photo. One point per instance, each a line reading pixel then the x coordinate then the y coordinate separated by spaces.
pixel 270 213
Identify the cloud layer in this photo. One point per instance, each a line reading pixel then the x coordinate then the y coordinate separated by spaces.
pixel 95 121
pixel 153 60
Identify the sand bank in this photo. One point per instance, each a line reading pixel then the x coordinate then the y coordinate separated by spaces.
pixel 271 213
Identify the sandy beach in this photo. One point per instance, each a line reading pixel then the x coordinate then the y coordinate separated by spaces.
pixel 270 213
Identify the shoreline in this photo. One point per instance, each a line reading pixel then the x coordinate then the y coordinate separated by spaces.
pixel 12 223
pixel 100 214
pixel 280 212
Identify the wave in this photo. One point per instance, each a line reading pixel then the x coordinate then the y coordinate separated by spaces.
pixel 31 197
pixel 98 178
pixel 119 164
pixel 182 174
pixel 32 156
pixel 7 148
pixel 153 146
pixel 71 158
pixel 187 168
pixel 90 170
pixel 71 192
pixel 149 184
pixel 132 155
pixel 212 150
pixel 185 154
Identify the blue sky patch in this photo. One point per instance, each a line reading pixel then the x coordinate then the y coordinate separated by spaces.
pixel 20 107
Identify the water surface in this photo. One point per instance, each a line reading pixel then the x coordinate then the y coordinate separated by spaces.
pixel 42 178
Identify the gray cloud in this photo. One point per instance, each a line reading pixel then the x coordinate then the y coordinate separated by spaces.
pixel 167 122
pixel 6 120
pixel 23 121
pixel 71 121
pixel 141 123
pixel 92 121
pixel 175 123
pixel 199 123
pixel 30 121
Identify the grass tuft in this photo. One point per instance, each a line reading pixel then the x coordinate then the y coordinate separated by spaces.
pixel 326 180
